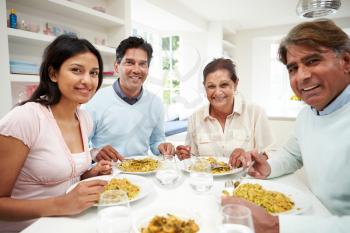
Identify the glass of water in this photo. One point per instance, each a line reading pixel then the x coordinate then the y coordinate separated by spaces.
pixel 236 219
pixel 201 178
pixel 168 173
pixel 114 213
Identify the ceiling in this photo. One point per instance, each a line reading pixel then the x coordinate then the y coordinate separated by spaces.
pixel 247 14
pixel 233 14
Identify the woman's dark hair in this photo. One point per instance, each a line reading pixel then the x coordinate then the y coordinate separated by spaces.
pixel 61 49
pixel 220 64
pixel 133 42
pixel 315 34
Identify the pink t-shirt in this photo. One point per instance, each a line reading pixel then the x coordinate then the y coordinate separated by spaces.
pixel 50 168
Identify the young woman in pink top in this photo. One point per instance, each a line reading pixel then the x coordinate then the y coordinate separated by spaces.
pixel 44 140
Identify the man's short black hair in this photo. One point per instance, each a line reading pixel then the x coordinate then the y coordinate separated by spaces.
pixel 133 42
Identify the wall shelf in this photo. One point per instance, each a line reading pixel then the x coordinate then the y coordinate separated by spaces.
pixel 26 37
pixel 76 16
pixel 25 78
pixel 75 11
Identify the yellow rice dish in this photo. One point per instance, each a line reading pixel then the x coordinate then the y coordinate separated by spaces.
pixel 218 167
pixel 124 184
pixel 139 165
pixel 170 224
pixel 273 202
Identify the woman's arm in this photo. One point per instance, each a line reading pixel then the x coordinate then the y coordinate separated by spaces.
pixel 13 154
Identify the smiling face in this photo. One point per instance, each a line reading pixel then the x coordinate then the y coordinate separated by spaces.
pixel 132 71
pixel 220 90
pixel 317 77
pixel 77 78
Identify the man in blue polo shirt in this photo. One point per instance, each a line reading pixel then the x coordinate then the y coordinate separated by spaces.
pixel 128 119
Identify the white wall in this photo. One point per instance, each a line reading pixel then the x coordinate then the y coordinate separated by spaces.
pixel 282 129
pixel 250 51
pixel 215 36
pixel 193 51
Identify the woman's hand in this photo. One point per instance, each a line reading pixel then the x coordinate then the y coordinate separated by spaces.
pixel 183 152
pixel 103 167
pixel 83 196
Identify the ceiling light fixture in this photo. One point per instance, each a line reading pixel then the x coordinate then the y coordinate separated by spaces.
pixel 317 8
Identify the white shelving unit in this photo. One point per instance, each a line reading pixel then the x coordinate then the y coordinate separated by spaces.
pixel 76 15
pixel 228 43
pixel 24 78
pixel 31 38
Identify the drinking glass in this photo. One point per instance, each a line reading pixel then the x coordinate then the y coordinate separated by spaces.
pixel 236 219
pixel 201 179
pixel 114 213
pixel 168 173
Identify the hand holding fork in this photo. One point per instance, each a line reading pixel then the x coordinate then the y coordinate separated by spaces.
pixel 254 163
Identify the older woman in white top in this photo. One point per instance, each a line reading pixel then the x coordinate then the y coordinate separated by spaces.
pixel 228 125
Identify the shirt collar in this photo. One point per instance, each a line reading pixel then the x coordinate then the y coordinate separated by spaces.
pixel 121 94
pixel 336 104
pixel 237 107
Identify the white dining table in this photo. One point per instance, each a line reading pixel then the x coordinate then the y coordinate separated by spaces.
pixel 206 206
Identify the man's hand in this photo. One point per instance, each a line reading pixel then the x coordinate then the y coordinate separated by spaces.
pixel 263 221
pixel 237 156
pixel 166 149
pixel 261 169
pixel 108 153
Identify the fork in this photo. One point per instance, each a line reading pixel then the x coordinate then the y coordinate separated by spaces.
pixel 194 155
pixel 213 166
pixel 244 172
pixel 237 181
pixel 232 183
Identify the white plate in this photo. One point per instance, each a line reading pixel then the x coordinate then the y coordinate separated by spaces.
pixel 301 202
pixel 144 218
pixel 184 165
pixel 145 185
pixel 138 173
